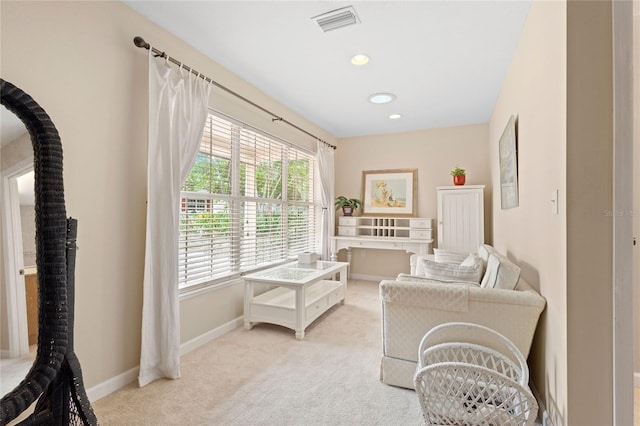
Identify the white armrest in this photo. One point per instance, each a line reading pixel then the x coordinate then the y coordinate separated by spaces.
pixel 411 308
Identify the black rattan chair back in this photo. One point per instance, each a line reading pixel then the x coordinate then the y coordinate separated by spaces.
pixel 55 379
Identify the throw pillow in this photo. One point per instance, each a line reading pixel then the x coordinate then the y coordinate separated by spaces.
pixel 407 277
pixel 483 252
pixel 446 256
pixel 419 268
pixel 471 260
pixel 491 272
pixel 508 275
pixel 447 271
pixel 500 273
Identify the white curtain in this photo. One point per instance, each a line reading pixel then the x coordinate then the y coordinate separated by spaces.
pixel 326 179
pixel 177 113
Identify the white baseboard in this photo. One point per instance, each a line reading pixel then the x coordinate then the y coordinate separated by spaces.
pixel 636 379
pixel 121 380
pixel 113 384
pixel 210 335
pixel 543 414
pixel 369 277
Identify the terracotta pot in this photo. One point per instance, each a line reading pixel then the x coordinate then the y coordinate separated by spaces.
pixel 347 210
pixel 459 180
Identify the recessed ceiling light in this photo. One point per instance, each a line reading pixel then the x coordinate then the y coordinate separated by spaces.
pixel 360 59
pixel 395 116
pixel 381 98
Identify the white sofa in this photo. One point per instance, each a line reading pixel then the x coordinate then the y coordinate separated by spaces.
pixel 412 305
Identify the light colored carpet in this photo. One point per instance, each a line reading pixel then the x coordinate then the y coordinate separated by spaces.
pixel 266 377
pixel 13 370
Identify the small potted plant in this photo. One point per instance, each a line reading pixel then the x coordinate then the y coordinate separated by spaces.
pixel 459 176
pixel 348 205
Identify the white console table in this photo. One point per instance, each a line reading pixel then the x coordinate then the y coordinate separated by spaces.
pixel 413 235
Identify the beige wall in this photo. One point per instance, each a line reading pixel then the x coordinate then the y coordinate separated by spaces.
pixel 16 152
pixel 535 91
pixel 560 85
pixel 78 61
pixel 590 195
pixel 434 152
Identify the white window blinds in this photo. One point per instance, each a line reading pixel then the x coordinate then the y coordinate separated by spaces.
pixel 247 202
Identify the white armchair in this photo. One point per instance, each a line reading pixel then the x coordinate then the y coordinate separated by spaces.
pixel 412 306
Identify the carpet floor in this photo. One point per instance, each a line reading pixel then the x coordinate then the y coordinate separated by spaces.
pixel 266 377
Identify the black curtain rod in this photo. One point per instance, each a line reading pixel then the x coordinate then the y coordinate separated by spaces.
pixel 139 41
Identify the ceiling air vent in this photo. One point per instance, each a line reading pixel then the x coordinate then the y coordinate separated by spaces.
pixel 338 18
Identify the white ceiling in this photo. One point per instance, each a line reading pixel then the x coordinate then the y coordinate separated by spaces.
pixel 445 60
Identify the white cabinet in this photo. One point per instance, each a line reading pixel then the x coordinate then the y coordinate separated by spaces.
pixel 460 217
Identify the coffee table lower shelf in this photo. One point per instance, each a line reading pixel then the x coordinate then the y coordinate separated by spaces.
pixel 278 306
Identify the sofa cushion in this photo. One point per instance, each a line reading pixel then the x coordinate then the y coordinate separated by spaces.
pixel 500 271
pixel 446 256
pixel 452 298
pixel 408 277
pixel 448 271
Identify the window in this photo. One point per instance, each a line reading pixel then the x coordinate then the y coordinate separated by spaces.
pixel 248 202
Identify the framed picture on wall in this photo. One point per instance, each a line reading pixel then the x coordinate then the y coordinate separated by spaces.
pixel 508 148
pixel 389 192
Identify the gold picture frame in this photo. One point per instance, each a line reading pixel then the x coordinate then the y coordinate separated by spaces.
pixel 390 192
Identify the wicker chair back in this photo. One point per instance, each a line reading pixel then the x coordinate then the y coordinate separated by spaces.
pixel 55 379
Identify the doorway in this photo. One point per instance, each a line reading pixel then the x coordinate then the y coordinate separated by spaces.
pixel 18 230
pixel 20 275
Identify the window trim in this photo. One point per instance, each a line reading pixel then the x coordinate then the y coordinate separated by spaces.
pixel 264 133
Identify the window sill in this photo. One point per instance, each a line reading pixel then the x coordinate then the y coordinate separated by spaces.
pixel 195 291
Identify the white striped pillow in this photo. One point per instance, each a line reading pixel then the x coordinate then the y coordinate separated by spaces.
pixel 446 256
pixel 470 271
pixel 500 272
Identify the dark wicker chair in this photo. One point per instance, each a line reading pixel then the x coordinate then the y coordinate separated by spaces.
pixel 55 379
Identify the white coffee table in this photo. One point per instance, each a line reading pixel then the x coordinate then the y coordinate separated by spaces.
pixel 303 292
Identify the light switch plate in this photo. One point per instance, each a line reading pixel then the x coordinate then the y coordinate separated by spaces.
pixel 554 202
